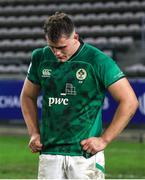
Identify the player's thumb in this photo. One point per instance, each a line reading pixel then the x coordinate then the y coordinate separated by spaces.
pixel 38 143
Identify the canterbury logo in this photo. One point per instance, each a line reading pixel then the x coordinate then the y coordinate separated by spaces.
pixel 53 100
pixel 46 72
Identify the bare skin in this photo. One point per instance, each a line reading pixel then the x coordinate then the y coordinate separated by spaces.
pixel 29 96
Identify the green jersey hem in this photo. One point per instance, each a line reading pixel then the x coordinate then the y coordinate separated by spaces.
pixel 60 153
pixel 84 154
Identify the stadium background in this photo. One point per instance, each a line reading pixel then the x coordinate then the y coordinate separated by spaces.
pixel 116 27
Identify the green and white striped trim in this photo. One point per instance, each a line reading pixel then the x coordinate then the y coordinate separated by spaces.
pixel 100 167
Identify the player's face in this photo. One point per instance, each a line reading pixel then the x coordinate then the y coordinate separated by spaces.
pixel 65 47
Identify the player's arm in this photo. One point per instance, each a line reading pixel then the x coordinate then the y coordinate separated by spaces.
pixel 122 92
pixel 29 94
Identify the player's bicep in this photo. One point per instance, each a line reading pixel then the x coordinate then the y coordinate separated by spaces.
pixel 30 89
pixel 121 90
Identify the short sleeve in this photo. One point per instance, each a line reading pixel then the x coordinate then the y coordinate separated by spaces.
pixel 32 73
pixel 107 70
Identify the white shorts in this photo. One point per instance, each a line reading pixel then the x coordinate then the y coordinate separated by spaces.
pixel 71 167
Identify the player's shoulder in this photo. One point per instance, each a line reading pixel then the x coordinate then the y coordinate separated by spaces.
pixel 96 56
pixel 40 51
pixel 40 54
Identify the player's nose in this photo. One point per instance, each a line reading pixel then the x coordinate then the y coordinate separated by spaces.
pixel 57 52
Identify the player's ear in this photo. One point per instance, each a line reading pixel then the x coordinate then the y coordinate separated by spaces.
pixel 46 37
pixel 76 36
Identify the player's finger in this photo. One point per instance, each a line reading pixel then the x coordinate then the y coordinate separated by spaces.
pixel 92 145
pixel 89 150
pixel 85 147
pixel 38 144
pixel 83 142
pixel 32 146
pixel 39 148
pixel 34 149
pixel 35 143
pixel 93 152
pixel 31 143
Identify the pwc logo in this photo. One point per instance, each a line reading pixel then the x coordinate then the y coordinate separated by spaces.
pixel 141 100
pixel 52 100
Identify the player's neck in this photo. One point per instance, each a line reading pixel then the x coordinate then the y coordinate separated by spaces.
pixel 76 47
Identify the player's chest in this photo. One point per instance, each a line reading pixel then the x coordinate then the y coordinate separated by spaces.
pixel 56 75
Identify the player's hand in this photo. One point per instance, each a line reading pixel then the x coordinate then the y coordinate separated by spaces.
pixel 93 145
pixel 35 144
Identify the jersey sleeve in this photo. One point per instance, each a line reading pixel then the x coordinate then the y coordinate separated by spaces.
pixel 32 73
pixel 107 70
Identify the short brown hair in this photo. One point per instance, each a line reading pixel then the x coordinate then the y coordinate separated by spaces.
pixel 57 25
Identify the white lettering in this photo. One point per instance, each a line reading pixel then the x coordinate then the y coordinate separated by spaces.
pixel 58 100
pixel 39 102
pixel 65 101
pixel 53 100
pixel 106 103
pixel 9 102
pixel 141 100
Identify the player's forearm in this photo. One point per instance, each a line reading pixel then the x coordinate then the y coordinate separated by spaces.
pixel 122 116
pixel 30 114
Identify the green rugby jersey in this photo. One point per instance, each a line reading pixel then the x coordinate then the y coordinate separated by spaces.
pixel 73 94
